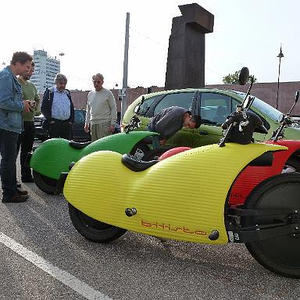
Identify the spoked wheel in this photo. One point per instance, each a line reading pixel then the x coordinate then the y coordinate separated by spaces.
pixel 46 184
pixel 280 254
pixel 92 229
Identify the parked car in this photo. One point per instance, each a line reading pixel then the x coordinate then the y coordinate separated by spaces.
pixel 215 105
pixel 78 132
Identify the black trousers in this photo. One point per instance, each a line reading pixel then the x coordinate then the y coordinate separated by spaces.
pixel 8 151
pixel 60 129
pixel 25 143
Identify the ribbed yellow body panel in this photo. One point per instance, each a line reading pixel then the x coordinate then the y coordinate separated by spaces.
pixel 181 197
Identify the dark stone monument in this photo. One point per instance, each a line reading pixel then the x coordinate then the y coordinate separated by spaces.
pixel 186 54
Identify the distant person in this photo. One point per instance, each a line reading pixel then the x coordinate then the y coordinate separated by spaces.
pixel 11 107
pixel 172 119
pixel 58 109
pixel 30 93
pixel 101 110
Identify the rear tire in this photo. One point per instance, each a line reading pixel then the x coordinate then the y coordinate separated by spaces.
pixel 44 183
pixel 281 254
pixel 92 229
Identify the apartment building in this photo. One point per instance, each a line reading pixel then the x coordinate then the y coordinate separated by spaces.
pixel 45 71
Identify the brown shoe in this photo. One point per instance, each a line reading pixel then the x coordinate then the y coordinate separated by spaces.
pixel 22 192
pixel 17 198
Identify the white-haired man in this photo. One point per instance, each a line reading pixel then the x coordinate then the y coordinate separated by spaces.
pixel 101 110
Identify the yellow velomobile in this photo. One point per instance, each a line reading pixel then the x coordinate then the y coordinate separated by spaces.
pixel 185 197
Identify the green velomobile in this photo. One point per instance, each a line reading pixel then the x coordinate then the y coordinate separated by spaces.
pixel 54 156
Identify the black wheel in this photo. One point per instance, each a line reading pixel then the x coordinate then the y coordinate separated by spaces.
pixel 92 229
pixel 46 184
pixel 292 165
pixel 281 254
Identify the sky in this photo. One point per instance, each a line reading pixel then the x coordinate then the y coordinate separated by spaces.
pixel 91 33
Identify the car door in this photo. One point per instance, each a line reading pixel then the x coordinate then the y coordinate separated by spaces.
pixel 184 137
pixel 214 109
pixel 144 111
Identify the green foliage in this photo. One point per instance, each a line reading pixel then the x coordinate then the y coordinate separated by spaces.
pixel 234 78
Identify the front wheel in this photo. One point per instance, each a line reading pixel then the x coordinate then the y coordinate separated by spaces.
pixel 92 229
pixel 44 183
pixel 282 253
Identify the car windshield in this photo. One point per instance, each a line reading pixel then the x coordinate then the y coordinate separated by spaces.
pixel 264 108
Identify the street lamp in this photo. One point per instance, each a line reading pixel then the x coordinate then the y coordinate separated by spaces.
pixel 280 55
pixel 61 54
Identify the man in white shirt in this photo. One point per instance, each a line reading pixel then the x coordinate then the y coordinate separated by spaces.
pixel 101 110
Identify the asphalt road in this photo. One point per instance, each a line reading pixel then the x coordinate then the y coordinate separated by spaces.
pixel 43 257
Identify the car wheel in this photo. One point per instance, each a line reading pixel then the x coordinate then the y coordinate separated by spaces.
pixel 44 183
pixel 280 254
pixel 139 151
pixel 92 229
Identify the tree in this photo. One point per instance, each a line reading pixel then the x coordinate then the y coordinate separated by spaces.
pixel 234 78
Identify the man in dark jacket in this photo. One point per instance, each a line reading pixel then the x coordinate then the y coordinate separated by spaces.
pixel 58 109
pixel 172 119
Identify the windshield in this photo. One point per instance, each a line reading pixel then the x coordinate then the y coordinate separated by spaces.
pixel 264 108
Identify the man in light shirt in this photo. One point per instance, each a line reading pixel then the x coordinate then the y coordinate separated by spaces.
pixel 58 109
pixel 101 110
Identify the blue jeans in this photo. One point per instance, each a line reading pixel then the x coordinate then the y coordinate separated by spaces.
pixel 8 151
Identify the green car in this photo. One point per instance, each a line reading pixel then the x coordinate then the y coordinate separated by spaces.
pixel 215 105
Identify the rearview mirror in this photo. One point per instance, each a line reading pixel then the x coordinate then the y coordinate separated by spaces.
pixel 244 76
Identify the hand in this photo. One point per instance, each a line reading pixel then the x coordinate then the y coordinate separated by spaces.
pixel 32 104
pixel 70 123
pixel 87 128
pixel 27 107
pixel 52 122
pixel 112 128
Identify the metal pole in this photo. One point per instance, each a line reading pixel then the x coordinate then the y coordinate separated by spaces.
pixel 280 55
pixel 125 68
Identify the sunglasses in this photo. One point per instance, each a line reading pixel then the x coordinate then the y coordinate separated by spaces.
pixel 97 81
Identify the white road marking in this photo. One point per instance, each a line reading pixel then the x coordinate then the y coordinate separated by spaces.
pixel 64 277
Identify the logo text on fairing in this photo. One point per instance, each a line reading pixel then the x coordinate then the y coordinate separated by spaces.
pixel 171 228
